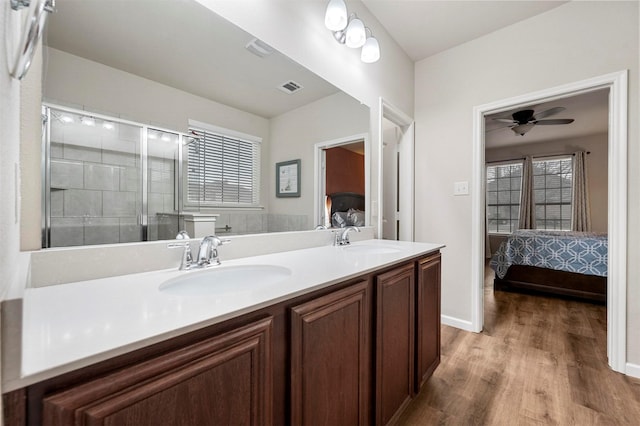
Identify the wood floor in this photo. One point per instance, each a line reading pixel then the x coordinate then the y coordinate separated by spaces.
pixel 540 360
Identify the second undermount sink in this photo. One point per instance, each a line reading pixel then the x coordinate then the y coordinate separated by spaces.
pixel 225 279
pixel 371 249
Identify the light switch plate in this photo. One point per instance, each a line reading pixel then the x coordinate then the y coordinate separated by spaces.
pixel 461 188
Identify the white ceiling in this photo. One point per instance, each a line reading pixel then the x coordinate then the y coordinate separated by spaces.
pixel 183 45
pixel 425 27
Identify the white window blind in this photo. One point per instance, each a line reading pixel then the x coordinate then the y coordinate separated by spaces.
pixel 504 183
pixel 552 183
pixel 223 170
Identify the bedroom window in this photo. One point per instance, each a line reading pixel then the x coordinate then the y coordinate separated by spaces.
pixel 552 183
pixel 504 182
pixel 223 169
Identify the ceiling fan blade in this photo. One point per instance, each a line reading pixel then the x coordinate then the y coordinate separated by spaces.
pixel 548 112
pixel 498 128
pixel 505 120
pixel 555 121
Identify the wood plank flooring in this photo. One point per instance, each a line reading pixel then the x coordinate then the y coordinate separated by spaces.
pixel 540 361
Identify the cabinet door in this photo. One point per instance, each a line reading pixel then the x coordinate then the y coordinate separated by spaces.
pixel 428 319
pixel 394 342
pixel 330 352
pixel 222 380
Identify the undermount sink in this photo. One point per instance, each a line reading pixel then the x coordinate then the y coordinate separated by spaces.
pixel 224 279
pixel 371 249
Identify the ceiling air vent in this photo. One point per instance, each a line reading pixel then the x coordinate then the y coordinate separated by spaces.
pixel 290 87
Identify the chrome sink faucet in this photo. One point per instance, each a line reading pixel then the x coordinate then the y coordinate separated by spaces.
pixel 342 236
pixel 208 251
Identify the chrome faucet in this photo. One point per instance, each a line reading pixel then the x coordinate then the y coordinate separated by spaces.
pixel 187 257
pixel 342 237
pixel 208 251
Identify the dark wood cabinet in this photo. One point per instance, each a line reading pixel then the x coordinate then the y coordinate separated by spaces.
pixel 330 353
pixel 353 353
pixel 394 342
pixel 222 380
pixel 427 319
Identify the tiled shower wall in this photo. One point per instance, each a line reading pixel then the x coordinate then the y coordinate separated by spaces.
pixel 96 185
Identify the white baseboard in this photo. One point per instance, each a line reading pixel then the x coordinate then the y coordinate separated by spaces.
pixel 456 322
pixel 633 370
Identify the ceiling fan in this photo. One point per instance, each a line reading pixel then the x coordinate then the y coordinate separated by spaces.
pixel 524 120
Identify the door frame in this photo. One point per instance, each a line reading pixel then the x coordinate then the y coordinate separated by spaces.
pixel 406 148
pixel 319 180
pixel 617 201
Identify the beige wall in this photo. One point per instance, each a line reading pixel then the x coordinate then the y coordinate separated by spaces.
pixel 572 42
pixel 295 133
pixel 596 167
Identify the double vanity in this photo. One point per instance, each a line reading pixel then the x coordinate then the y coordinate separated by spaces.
pixel 322 335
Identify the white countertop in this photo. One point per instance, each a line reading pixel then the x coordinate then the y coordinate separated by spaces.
pixel 69 326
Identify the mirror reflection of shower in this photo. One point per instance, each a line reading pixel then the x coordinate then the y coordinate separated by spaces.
pixel 108 180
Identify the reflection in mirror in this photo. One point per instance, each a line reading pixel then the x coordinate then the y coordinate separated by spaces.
pixel 158 72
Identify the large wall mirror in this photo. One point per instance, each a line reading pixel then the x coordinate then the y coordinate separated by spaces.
pixel 161 116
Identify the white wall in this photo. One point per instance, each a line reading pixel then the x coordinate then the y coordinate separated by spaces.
pixel 572 42
pixel 295 133
pixel 596 167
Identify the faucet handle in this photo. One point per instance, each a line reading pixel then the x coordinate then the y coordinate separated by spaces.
pixel 183 235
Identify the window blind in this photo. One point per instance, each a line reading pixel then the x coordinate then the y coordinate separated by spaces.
pixel 223 170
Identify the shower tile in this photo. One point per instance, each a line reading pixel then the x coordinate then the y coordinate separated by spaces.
pixel 129 179
pixel 119 158
pixel 67 232
pixel 155 203
pixel 130 231
pixel 56 150
pixel 57 203
pixel 82 153
pixel 106 178
pixel 118 204
pixel 67 174
pixel 101 230
pixel 79 202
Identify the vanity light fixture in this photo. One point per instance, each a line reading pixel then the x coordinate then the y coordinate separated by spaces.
pixel 351 31
pixel 371 50
pixel 66 119
pixel 108 125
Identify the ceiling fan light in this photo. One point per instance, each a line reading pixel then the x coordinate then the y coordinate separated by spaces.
pixel 356 35
pixel 522 128
pixel 336 17
pixel 370 51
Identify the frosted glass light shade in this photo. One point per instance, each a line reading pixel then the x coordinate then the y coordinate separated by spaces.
pixel 336 17
pixel 370 51
pixel 356 35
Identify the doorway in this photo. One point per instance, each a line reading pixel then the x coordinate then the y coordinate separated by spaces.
pixel 616 210
pixel 396 174
pixel 342 182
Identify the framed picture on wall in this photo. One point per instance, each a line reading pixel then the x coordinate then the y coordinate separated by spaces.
pixel 288 179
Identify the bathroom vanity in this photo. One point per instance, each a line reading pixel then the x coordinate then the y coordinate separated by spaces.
pixel 349 337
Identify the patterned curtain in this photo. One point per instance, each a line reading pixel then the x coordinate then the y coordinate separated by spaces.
pixel 527 217
pixel 581 215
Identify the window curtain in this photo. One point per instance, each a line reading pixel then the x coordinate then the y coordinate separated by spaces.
pixel 527 216
pixel 581 215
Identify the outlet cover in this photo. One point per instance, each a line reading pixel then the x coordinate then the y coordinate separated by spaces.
pixel 461 188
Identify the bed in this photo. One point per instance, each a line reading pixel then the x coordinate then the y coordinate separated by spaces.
pixel 555 262
pixel 347 209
